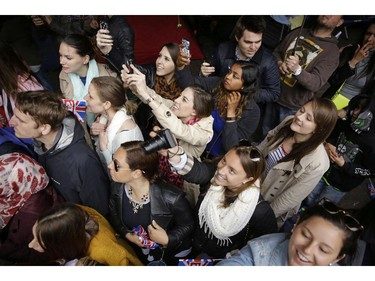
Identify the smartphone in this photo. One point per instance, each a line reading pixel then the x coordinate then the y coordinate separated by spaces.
pixel 186 46
pixel 128 62
pixel 209 60
pixel 103 24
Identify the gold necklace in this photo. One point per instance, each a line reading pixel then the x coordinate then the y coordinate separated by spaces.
pixel 136 205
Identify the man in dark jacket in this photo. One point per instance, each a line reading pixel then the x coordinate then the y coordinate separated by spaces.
pixel 247 46
pixel 73 167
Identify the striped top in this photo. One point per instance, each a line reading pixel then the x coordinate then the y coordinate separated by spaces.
pixel 273 158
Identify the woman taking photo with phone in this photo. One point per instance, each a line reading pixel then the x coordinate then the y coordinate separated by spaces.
pixel 188 117
pixel 159 77
pixel 236 114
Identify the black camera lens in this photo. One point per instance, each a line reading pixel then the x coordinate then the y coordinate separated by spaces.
pixel 163 140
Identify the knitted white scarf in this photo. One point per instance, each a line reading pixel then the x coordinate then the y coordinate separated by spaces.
pixel 226 222
pixel 115 125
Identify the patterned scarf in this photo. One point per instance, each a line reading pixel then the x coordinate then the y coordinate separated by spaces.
pixel 169 91
pixel 221 222
pixel 20 177
pixel 167 173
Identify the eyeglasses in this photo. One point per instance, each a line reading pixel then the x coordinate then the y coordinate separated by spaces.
pixel 350 222
pixel 253 152
pixel 117 166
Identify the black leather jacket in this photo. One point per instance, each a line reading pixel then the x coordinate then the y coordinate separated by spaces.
pixel 123 43
pixel 169 208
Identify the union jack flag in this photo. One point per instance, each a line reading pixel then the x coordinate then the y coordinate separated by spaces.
pixel 145 240
pixel 371 188
pixel 197 262
pixel 78 107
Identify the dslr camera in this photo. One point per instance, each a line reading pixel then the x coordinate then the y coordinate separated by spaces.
pixel 163 140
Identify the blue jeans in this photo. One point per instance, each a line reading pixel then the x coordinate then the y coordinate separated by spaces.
pixel 323 190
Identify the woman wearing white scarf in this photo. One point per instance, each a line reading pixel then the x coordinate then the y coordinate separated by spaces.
pixel 106 97
pixel 230 210
pixel 226 222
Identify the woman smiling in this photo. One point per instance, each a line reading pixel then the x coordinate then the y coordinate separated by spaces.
pixel 295 156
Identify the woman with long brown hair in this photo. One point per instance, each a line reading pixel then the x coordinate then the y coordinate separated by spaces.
pixel 295 156
pixel 236 114
pixel 230 209
pixel 15 77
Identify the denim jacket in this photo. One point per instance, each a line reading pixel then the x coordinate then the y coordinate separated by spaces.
pixel 270 249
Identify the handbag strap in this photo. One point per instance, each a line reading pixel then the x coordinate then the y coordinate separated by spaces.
pixel 213 144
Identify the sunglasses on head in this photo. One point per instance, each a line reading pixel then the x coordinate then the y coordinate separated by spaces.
pixel 350 222
pixel 253 152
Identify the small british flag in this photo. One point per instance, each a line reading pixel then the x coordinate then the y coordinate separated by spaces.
pixel 371 188
pixel 78 107
pixel 197 262
pixel 145 240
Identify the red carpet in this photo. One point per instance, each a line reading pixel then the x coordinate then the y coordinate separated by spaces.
pixel 151 32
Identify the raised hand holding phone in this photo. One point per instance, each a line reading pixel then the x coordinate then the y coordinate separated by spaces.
pixel 207 66
pixel 128 62
pixel 104 40
pixel 103 25
pixel 186 48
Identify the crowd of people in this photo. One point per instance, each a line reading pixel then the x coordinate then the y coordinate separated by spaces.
pixel 245 163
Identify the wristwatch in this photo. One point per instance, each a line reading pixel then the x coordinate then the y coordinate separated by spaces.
pixel 298 71
pixel 352 67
